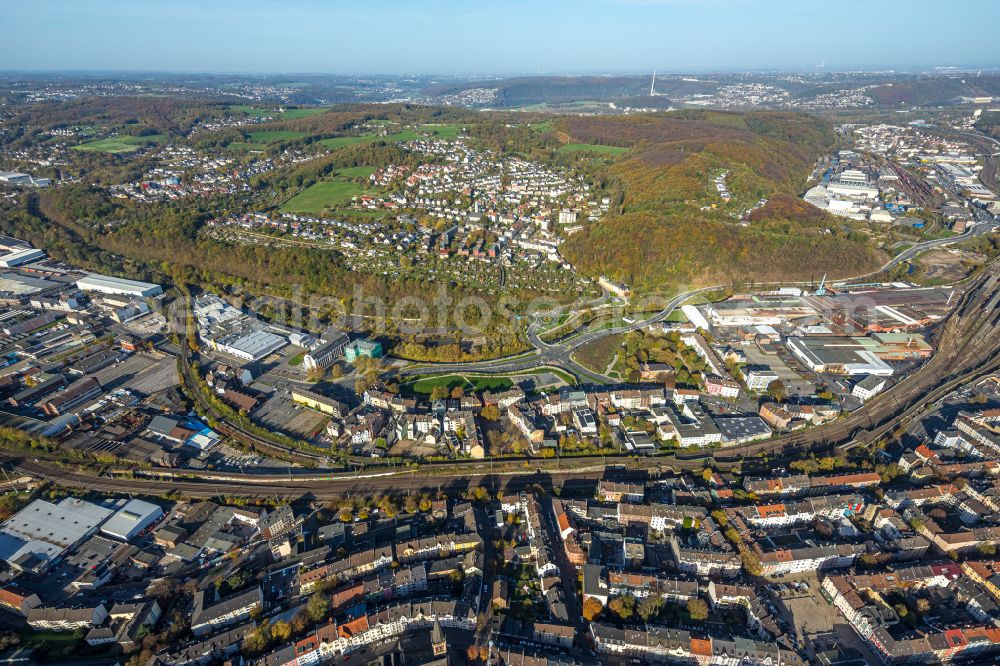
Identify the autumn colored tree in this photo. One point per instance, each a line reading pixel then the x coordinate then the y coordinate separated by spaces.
pixel 317 607
pixel 591 608
pixel 697 609
pixel 776 391
pixel 491 413
pixel 281 631
pixel 623 606
pixel 649 607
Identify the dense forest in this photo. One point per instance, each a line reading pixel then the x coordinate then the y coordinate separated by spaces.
pixel 136 116
pixel 665 232
pixel 935 90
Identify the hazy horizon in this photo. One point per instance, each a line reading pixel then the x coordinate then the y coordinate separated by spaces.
pixel 516 38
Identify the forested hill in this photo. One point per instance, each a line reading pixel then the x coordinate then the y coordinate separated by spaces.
pixel 669 227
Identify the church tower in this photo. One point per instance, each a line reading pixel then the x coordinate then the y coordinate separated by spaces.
pixel 438 642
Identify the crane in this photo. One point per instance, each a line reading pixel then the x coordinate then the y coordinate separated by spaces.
pixel 821 290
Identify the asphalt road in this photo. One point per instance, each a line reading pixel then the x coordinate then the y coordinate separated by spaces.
pixel 559 353
pixel 983 226
pixel 552 354
pixel 969 349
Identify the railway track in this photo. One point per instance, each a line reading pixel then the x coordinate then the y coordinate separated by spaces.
pixel 969 348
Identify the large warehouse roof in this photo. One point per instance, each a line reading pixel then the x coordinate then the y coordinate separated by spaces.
pixel 113 285
pixel 131 519
pixel 852 356
pixel 258 344
pixel 18 257
pixel 43 530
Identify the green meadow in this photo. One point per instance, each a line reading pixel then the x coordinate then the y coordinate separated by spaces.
pixel 119 144
pixel 287 114
pixel 274 135
pixel 329 193
pixel 593 148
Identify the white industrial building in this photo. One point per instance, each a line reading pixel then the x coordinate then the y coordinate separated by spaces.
pixel 229 330
pixel 852 184
pixel 21 257
pixel 105 284
pixel 43 531
pixel 325 355
pixel 251 346
pixel 844 356
pixel 131 519
pixel 868 387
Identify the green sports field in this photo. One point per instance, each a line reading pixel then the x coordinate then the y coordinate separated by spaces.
pixel 428 384
pixel 119 144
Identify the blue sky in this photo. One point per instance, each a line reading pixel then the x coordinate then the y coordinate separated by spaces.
pixel 501 36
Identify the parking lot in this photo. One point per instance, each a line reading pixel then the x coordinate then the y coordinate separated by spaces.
pixel 144 374
pixel 230 459
pixel 795 383
pixel 801 604
pixel 278 412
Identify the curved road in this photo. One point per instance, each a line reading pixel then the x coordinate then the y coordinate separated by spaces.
pixel 551 354
pixel 982 226
pixel 558 354
pixel 970 349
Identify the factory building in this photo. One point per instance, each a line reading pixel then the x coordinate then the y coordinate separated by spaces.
pixel 844 356
pixel 131 519
pixel 104 284
pixel 252 346
pixel 21 257
pixel 42 531
pixel 325 355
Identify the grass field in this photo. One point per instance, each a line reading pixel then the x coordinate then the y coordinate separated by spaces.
pixel 318 197
pixel 274 135
pixel 592 148
pixel 329 193
pixel 119 144
pixel 427 384
pixel 444 131
pixel 677 316
pixel 288 114
pixel 243 147
pixel 355 172
pixel 597 355
pixel 341 141
pixel 59 644
pixel 403 135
